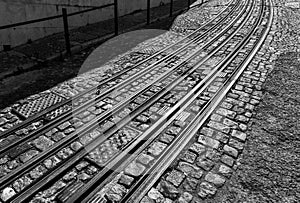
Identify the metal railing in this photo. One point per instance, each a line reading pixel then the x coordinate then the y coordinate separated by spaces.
pixel 65 16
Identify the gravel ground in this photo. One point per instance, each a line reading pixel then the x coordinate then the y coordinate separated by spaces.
pixel 269 170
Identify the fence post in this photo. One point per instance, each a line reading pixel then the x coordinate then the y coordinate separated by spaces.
pixel 171 8
pixel 116 17
pixel 66 29
pixel 148 12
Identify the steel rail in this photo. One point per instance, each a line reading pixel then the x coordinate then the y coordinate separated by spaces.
pixel 22 170
pixel 175 116
pixel 170 155
pixel 65 102
pixel 84 106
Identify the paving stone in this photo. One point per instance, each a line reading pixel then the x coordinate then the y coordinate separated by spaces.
pixel 208 141
pixel 175 177
pixel 230 123
pixel 216 117
pixel 225 171
pixel 51 162
pixel 185 198
pixel 190 184
pixel 22 183
pixel 64 153
pixel 168 190
pixel 206 190
pixel 12 164
pixel 226 105
pixel 58 136
pixel 216 179
pixel 147 199
pixel 37 172
pixel 64 125
pixel 205 163
pixel 166 138
pixel 85 140
pixel 157 148
pixel 221 137
pixel 242 118
pixel 28 155
pixel 155 195
pixel 236 144
pixel 76 146
pixel 70 176
pixel 126 180
pixel 207 131
pixel 4 160
pixel 115 193
pixel 42 143
pixel 231 151
pixel 190 170
pixel 226 112
pixel 189 157
pixel 7 193
pixel 227 160
pixel 82 165
pixel 198 148
pixel 83 176
pixel 219 126
pixel 145 159
pixel 135 169
pixel 69 130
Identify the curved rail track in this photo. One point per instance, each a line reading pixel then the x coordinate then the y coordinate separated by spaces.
pixel 136 122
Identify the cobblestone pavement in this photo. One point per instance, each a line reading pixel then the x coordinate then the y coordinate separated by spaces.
pixel 234 140
pixel 269 168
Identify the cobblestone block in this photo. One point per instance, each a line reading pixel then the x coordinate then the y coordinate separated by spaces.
pixel 168 190
pixel 42 143
pixel 7 193
pixel 156 195
pixel 190 184
pixel 236 144
pixel 230 123
pixel 64 126
pixel 225 170
pixel 157 148
pixel 135 169
pixel 190 170
pixel 175 177
pixel 219 126
pixel 115 193
pixel 205 163
pixel 231 151
pixel 126 180
pixel 198 148
pixel 227 160
pixel 147 199
pixel 206 190
pixel 189 157
pixel 28 155
pixel 185 198
pixel 145 159
pixel 208 141
pixel 216 179
pixel 226 112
